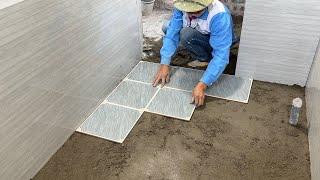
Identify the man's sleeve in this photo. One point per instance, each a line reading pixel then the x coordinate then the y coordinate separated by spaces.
pixel 172 38
pixel 220 40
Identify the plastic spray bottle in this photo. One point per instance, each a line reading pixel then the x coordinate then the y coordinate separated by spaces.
pixel 295 111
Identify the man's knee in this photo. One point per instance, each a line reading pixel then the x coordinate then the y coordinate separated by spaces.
pixel 187 34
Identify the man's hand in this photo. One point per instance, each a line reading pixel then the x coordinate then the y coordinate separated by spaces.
pixel 198 94
pixel 162 76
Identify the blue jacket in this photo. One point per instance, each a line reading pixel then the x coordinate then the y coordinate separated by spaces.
pixel 221 37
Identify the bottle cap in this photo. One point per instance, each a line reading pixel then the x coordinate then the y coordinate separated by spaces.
pixel 297 102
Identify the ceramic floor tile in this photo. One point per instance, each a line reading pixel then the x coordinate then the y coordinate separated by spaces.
pixel 231 88
pixel 184 78
pixel 172 103
pixel 227 86
pixel 132 94
pixel 111 122
pixel 144 72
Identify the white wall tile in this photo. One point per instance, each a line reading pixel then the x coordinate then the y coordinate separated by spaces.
pixel 58 61
pixel 278 40
pixel 8 3
pixel 313 112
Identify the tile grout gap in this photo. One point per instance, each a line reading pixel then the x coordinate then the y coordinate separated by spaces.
pixel 155 94
pixel 128 107
pixel 127 79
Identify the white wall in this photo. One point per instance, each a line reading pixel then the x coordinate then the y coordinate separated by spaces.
pixel 278 40
pixel 313 108
pixel 59 59
pixel 8 3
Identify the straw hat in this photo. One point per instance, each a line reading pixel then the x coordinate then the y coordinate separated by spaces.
pixel 191 5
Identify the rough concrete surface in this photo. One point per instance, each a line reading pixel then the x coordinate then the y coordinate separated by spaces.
pixel 152 25
pixel 223 140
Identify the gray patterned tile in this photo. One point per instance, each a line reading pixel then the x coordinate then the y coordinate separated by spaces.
pixel 231 88
pixel 172 103
pixel 227 86
pixel 111 122
pixel 144 72
pixel 132 94
pixel 184 78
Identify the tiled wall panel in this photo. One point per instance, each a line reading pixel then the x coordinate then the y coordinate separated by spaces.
pixel 313 112
pixel 58 61
pixel 278 40
pixel 7 3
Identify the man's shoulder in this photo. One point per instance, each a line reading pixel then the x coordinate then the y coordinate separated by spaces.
pixel 177 12
pixel 217 7
pixel 220 18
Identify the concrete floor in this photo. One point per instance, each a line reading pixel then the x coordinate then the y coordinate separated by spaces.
pixel 223 140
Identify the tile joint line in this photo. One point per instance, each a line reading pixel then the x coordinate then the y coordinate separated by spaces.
pixel 152 98
pixel 107 102
pixel 127 79
pixel 165 86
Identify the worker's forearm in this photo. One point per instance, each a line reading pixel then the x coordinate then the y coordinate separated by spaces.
pixel 165 60
pixel 220 41
pixel 214 70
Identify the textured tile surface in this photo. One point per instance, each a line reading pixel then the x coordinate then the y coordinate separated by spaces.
pixel 278 40
pixel 8 3
pixel 184 78
pixel 132 94
pixel 32 148
pixel 110 122
pixel 95 86
pixel 172 103
pixel 231 88
pixel 313 114
pixel 227 87
pixel 21 109
pixel 58 61
pixel 144 72
pixel 37 129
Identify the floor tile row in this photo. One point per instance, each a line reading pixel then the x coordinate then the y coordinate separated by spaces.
pixel 115 118
pixel 227 86
pixel 121 110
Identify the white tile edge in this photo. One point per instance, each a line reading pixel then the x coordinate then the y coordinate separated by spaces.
pixel 179 118
pixel 120 141
pixel 188 118
pixel 229 99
